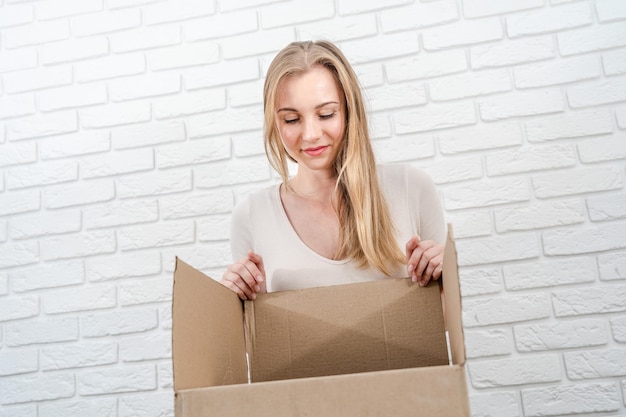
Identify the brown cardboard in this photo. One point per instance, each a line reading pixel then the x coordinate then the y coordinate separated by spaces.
pixel 375 349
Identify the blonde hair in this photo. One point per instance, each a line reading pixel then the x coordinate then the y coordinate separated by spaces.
pixel 366 228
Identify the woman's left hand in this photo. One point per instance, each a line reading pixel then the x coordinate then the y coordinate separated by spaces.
pixel 424 260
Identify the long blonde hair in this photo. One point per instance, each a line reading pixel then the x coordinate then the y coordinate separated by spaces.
pixel 366 228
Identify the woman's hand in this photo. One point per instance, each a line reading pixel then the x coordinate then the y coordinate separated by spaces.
pixel 424 260
pixel 246 277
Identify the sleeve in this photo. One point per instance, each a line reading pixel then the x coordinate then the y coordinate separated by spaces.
pixel 241 240
pixel 429 210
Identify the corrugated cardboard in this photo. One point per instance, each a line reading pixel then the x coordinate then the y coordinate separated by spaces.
pixel 369 349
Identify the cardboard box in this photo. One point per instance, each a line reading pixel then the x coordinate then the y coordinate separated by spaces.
pixel 371 349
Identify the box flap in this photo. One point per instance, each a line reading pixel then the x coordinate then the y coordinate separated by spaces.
pixel 208 345
pixel 378 325
pixel 452 300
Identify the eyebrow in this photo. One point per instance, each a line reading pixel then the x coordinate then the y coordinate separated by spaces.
pixel 319 106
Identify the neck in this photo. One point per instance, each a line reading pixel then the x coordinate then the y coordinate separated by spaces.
pixel 314 187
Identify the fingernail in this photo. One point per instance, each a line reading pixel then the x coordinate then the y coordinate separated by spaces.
pixel 253 296
pixel 259 278
pixel 257 288
pixel 422 283
pixel 409 268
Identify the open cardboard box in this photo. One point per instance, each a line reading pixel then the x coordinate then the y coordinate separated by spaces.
pixel 369 349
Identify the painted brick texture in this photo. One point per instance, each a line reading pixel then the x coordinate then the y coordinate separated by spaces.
pixel 129 129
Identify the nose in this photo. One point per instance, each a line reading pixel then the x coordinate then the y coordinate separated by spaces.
pixel 312 130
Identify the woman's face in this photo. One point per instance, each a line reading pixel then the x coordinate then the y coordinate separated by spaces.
pixel 311 118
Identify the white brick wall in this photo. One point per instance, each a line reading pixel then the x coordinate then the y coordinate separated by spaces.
pixel 129 128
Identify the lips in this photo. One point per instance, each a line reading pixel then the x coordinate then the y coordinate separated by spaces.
pixel 318 150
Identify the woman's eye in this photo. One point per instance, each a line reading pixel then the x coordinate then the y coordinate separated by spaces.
pixel 327 116
pixel 291 121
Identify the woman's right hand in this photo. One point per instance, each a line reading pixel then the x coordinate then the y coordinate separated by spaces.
pixel 246 277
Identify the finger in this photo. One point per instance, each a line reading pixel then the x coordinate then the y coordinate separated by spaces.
pixel 247 272
pixel 411 245
pixel 231 286
pixel 258 261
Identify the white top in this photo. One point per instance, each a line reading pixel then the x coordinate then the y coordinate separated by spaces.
pixel 259 223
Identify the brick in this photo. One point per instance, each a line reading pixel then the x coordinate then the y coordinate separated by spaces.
pixel 22 389
pixel 145 38
pixel 498 249
pixel 243 4
pixel 418 15
pixel 68 97
pixel 146 347
pixel 462 33
pixel 18 59
pixel 148 134
pixel 592 300
pixel 594 38
pixel 223 73
pixel 396 96
pixel 130 378
pixel 146 405
pixel 106 22
pixel 153 183
pixel 193 152
pixel 571 125
pixel 550 73
pixel 222 122
pixel 18 153
pixel 85 192
pixel 568 399
pixel 16 15
pixel 146 291
pixel 250 93
pixel 505 309
pixel 29 410
pixel 94 407
pixel 393 45
pixel 123 266
pixel 220 25
pixel 42 125
pixel 347 7
pixel 341 29
pixel 425 65
pixel 221 174
pixel 562 335
pixel 120 213
pixel 4 286
pixel 64 8
pixel 118 322
pixel 608 10
pixel 549 19
pixel 17 254
pixel 199 53
pixel 78 355
pixel 469 85
pixel 172 11
pixel 537 158
pixel 605 91
pixel 450 170
pixel 79 299
pixel 44 224
pixel 41 331
pixel 212 255
pixel 20 361
pixel 143 86
pixel 117 163
pixel 196 204
pixel 602 149
pixel 247 144
pixel 165 372
pixel 486 193
pixel 299 11
pixel 111 66
pixel 521 103
pixel 41 174
pixel 515 371
pixel 17 105
pixel 601 363
pixel 19 202
pixel 403 148
pixel 471 224
pixel 618 327
pixel 511 52
pixel 82 143
pixel 157 235
pixel 486 343
pixel 36 33
pixel 19 308
pixel 270 41
pixel 481 137
pixel 481 8
pixel 621 117
pixel 188 103
pixel 582 180
pixel 612 266
pixel 549 273
pixel 539 215
pixel 115 114
pixel 47 275
pixel 165 318
pixel 500 404
pixel 74 246
pixel 614 62
pixel 601 237
pixel 434 117
pixel 380 126
pixel 213 228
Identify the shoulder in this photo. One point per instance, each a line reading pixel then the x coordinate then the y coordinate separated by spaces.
pixel 395 174
pixel 259 199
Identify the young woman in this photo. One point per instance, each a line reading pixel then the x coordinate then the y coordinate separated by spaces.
pixel 341 218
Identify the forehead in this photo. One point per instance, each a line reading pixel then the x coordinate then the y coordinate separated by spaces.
pixel 318 83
